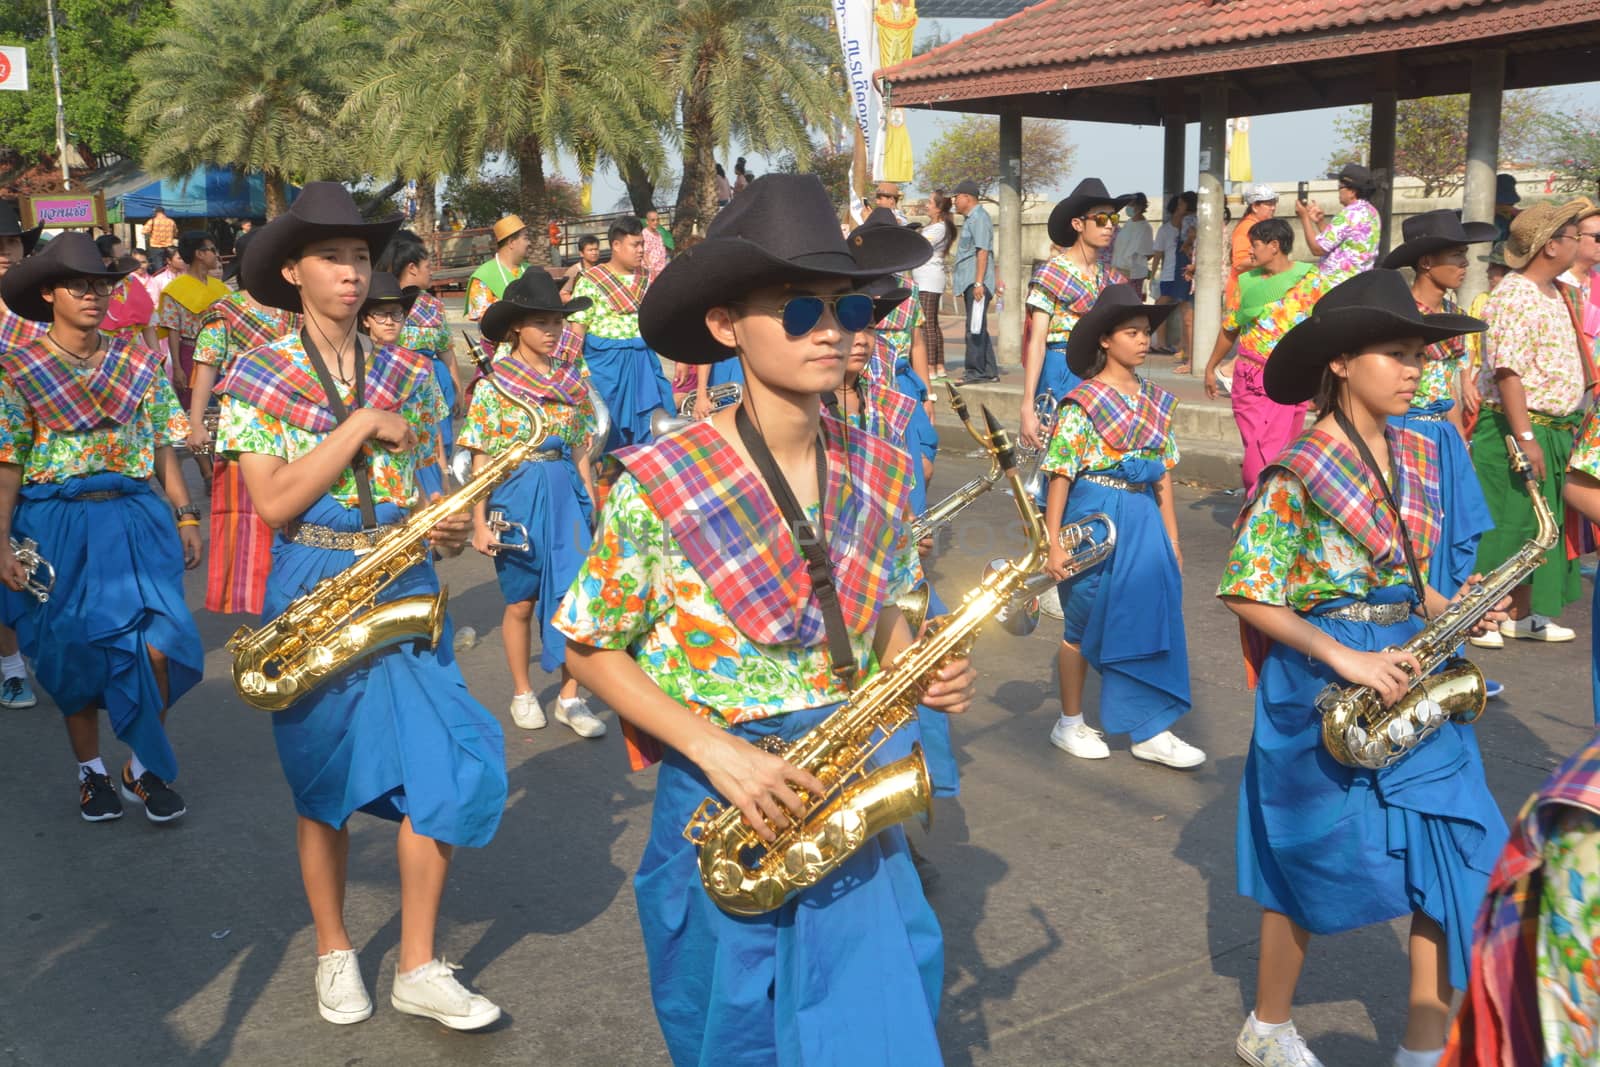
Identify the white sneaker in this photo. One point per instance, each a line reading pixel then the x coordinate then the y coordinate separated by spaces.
pixel 1281 1046
pixel 1536 628
pixel 526 712
pixel 576 714
pixel 341 994
pixel 1079 740
pixel 1492 639
pixel 1050 603
pixel 432 991
pixel 1167 747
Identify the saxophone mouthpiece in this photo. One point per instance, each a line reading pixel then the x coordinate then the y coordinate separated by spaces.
pixel 958 403
pixel 1519 458
pixel 480 353
pixel 1000 441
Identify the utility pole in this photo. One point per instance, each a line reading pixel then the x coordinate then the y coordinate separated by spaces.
pixel 61 111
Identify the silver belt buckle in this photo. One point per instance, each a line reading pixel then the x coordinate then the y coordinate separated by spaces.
pixel 371 534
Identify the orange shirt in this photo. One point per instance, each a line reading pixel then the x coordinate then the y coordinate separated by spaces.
pixel 160 232
pixel 1240 262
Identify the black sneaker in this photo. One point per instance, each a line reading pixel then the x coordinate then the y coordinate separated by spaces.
pixel 161 802
pixel 97 798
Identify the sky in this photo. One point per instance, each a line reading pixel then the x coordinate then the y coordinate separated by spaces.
pixel 1288 147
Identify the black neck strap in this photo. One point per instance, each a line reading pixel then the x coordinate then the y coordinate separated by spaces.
pixel 1394 506
pixel 360 465
pixel 811 538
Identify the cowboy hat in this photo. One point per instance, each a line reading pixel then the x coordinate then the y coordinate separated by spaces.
pixel 71 255
pixel 1089 193
pixel 533 293
pixel 385 289
pixel 1366 309
pixel 782 228
pixel 321 211
pixel 11 226
pixel 1534 227
pixel 887 294
pixel 1435 231
pixel 1115 306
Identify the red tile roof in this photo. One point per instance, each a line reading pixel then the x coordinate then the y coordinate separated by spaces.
pixel 1072 44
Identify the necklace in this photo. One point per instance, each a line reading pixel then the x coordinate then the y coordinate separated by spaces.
pixel 65 351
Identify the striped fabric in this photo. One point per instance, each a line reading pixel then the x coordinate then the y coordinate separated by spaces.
pixel 240 554
pixel 726 524
pixel 1126 424
pixel 1340 484
pixel 623 297
pixel 16 331
pixel 277 379
pixel 69 404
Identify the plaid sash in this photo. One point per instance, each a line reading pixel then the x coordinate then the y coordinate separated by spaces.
pixel 1059 279
pixel 16 331
pixel 892 337
pixel 278 379
pixel 70 404
pixel 730 530
pixel 886 413
pixel 623 297
pixel 246 326
pixel 1126 424
pixel 563 386
pixel 1451 347
pixel 1340 484
pixel 427 313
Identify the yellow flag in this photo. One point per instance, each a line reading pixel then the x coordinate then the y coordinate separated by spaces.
pixel 1239 152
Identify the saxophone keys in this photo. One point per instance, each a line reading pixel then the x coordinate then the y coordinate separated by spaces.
pixel 1429 714
pixel 1400 732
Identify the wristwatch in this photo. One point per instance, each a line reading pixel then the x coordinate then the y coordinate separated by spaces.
pixel 1525 435
pixel 187 509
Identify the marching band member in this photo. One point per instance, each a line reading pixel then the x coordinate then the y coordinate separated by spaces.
pixel 1326 571
pixel 15 332
pixel 695 617
pixel 85 421
pixel 1582 493
pixel 1112 451
pixel 329 432
pixel 548 495
pixel 425 330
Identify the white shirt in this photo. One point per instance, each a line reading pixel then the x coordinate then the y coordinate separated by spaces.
pixel 1131 251
pixel 930 277
pixel 1166 246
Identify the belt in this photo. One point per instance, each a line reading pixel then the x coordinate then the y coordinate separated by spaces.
pixel 1111 481
pixel 1361 611
pixel 1423 416
pixel 1549 422
pixel 100 494
pixel 309 533
pixel 543 457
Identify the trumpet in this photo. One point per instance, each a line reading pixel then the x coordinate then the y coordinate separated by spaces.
pixel 722 396
pixel 1045 409
pixel 1020 616
pixel 500 526
pixel 27 553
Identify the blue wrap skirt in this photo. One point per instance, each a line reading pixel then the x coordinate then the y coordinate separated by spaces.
pixel 447 389
pixel 1336 847
pixel 1466 513
pixel 847 972
pixel 628 376
pixel 1125 614
pixel 395 735
pixel 118 592
pixel 1055 377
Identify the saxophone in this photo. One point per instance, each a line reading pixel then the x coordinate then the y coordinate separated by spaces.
pixel 339 620
pixel 1358 731
pixel 944 512
pixel 746 876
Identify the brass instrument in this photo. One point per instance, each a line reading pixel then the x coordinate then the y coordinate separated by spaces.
pixel 958 404
pixel 340 620
pixel 746 876
pixel 27 553
pixel 1045 409
pixel 721 396
pixel 1358 731
pixel 602 427
pixel 210 420
pixel 944 512
pixel 500 526
pixel 1020 617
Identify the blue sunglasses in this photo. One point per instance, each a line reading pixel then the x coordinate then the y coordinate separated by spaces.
pixel 800 314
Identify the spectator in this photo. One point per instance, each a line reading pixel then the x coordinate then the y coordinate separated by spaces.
pixel 652 221
pixel 887 195
pixel 931 279
pixel 1579 281
pixel 110 246
pixel 740 178
pixel 1260 204
pixel 159 231
pixel 1506 199
pixel 1349 244
pixel 1174 241
pixel 655 249
pixel 974 280
pixel 724 192
pixel 588 258
pixel 1134 244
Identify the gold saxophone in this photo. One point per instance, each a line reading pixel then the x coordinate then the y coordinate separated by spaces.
pixel 340 620
pixel 1358 731
pixel 944 512
pixel 746 876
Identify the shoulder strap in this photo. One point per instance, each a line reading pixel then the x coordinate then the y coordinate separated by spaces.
pixel 360 466
pixel 1394 506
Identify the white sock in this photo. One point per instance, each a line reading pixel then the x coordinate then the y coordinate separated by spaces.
pixel 1262 1029
pixel 1072 722
pixel 1405 1057
pixel 97 765
pixel 137 769
pixel 13 667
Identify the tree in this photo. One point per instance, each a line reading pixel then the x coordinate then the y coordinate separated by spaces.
pixel 254 84
pixel 969 149
pixel 761 71
pixel 464 78
pixel 830 164
pixel 1430 136
pixel 484 201
pixel 1571 146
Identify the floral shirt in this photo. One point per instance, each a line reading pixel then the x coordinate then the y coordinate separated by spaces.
pixel 1586 450
pixel 1075 446
pixel 1351 242
pixel 1290 552
pixel 215 342
pixel 494 423
pixel 1567 951
pixel 1259 338
pixel 173 318
pixel 435 342
pixel 601 319
pixel 1531 335
pixel 1063 274
pixel 47 455
pixel 638 592
pixel 480 296
pixel 1442 362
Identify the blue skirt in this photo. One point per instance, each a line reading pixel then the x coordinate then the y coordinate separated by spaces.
pixel 550 500
pixel 395 735
pixel 1465 511
pixel 1335 847
pixel 848 972
pixel 907 382
pixel 447 388
pixel 119 589
pixel 1055 377
pixel 1126 614
pixel 724 371
pixel 628 376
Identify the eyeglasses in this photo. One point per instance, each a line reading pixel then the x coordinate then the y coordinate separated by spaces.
pixel 1103 218
pixel 387 315
pixel 1567 236
pixel 81 287
pixel 1595 236
pixel 889 196
pixel 208 248
pixel 800 314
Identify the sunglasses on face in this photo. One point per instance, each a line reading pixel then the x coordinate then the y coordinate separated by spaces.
pixel 81 287
pixel 889 196
pixel 800 314
pixel 1103 218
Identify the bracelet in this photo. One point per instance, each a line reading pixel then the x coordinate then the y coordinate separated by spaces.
pixel 188 521
pixel 192 510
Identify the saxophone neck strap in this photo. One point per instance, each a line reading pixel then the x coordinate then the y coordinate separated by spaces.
pixel 1360 445
pixel 811 538
pixel 360 465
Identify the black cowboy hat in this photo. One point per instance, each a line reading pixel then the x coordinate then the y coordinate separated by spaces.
pixel 322 210
pixel 385 289
pixel 11 226
pixel 1434 231
pixel 887 294
pixel 71 255
pixel 782 228
pixel 1116 305
pixel 1368 308
pixel 532 293
pixel 1090 191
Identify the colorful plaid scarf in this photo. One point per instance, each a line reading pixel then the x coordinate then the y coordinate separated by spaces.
pixel 1127 424
pixel 1058 278
pixel 16 331
pixel 892 339
pixel 427 313
pixel 726 524
pixel 563 386
pixel 67 403
pixel 278 379
pixel 623 296
pixel 246 326
pixel 1450 347
pixel 885 411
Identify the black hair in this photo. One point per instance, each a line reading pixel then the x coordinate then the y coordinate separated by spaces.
pixel 405 249
pixel 588 239
pixel 627 226
pixel 720 172
pixel 191 241
pixel 738 165
pixel 1274 230
pixel 107 243
pixel 1140 201
pixel 1327 392
pixel 1173 202
pixel 1192 200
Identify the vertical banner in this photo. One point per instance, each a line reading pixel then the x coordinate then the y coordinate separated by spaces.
pixel 897 30
pixel 858 40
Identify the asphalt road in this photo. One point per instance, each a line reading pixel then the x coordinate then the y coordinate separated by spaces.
pixel 1089 908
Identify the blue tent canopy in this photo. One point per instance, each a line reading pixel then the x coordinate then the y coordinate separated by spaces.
pixel 210 192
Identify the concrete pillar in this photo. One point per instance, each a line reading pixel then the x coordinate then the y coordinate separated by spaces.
pixel 1483 157
pixel 1172 169
pixel 1209 241
pixel 1010 262
pixel 1381 141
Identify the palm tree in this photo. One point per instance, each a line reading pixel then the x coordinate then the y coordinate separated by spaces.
pixel 466 78
pixel 758 70
pixel 254 84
